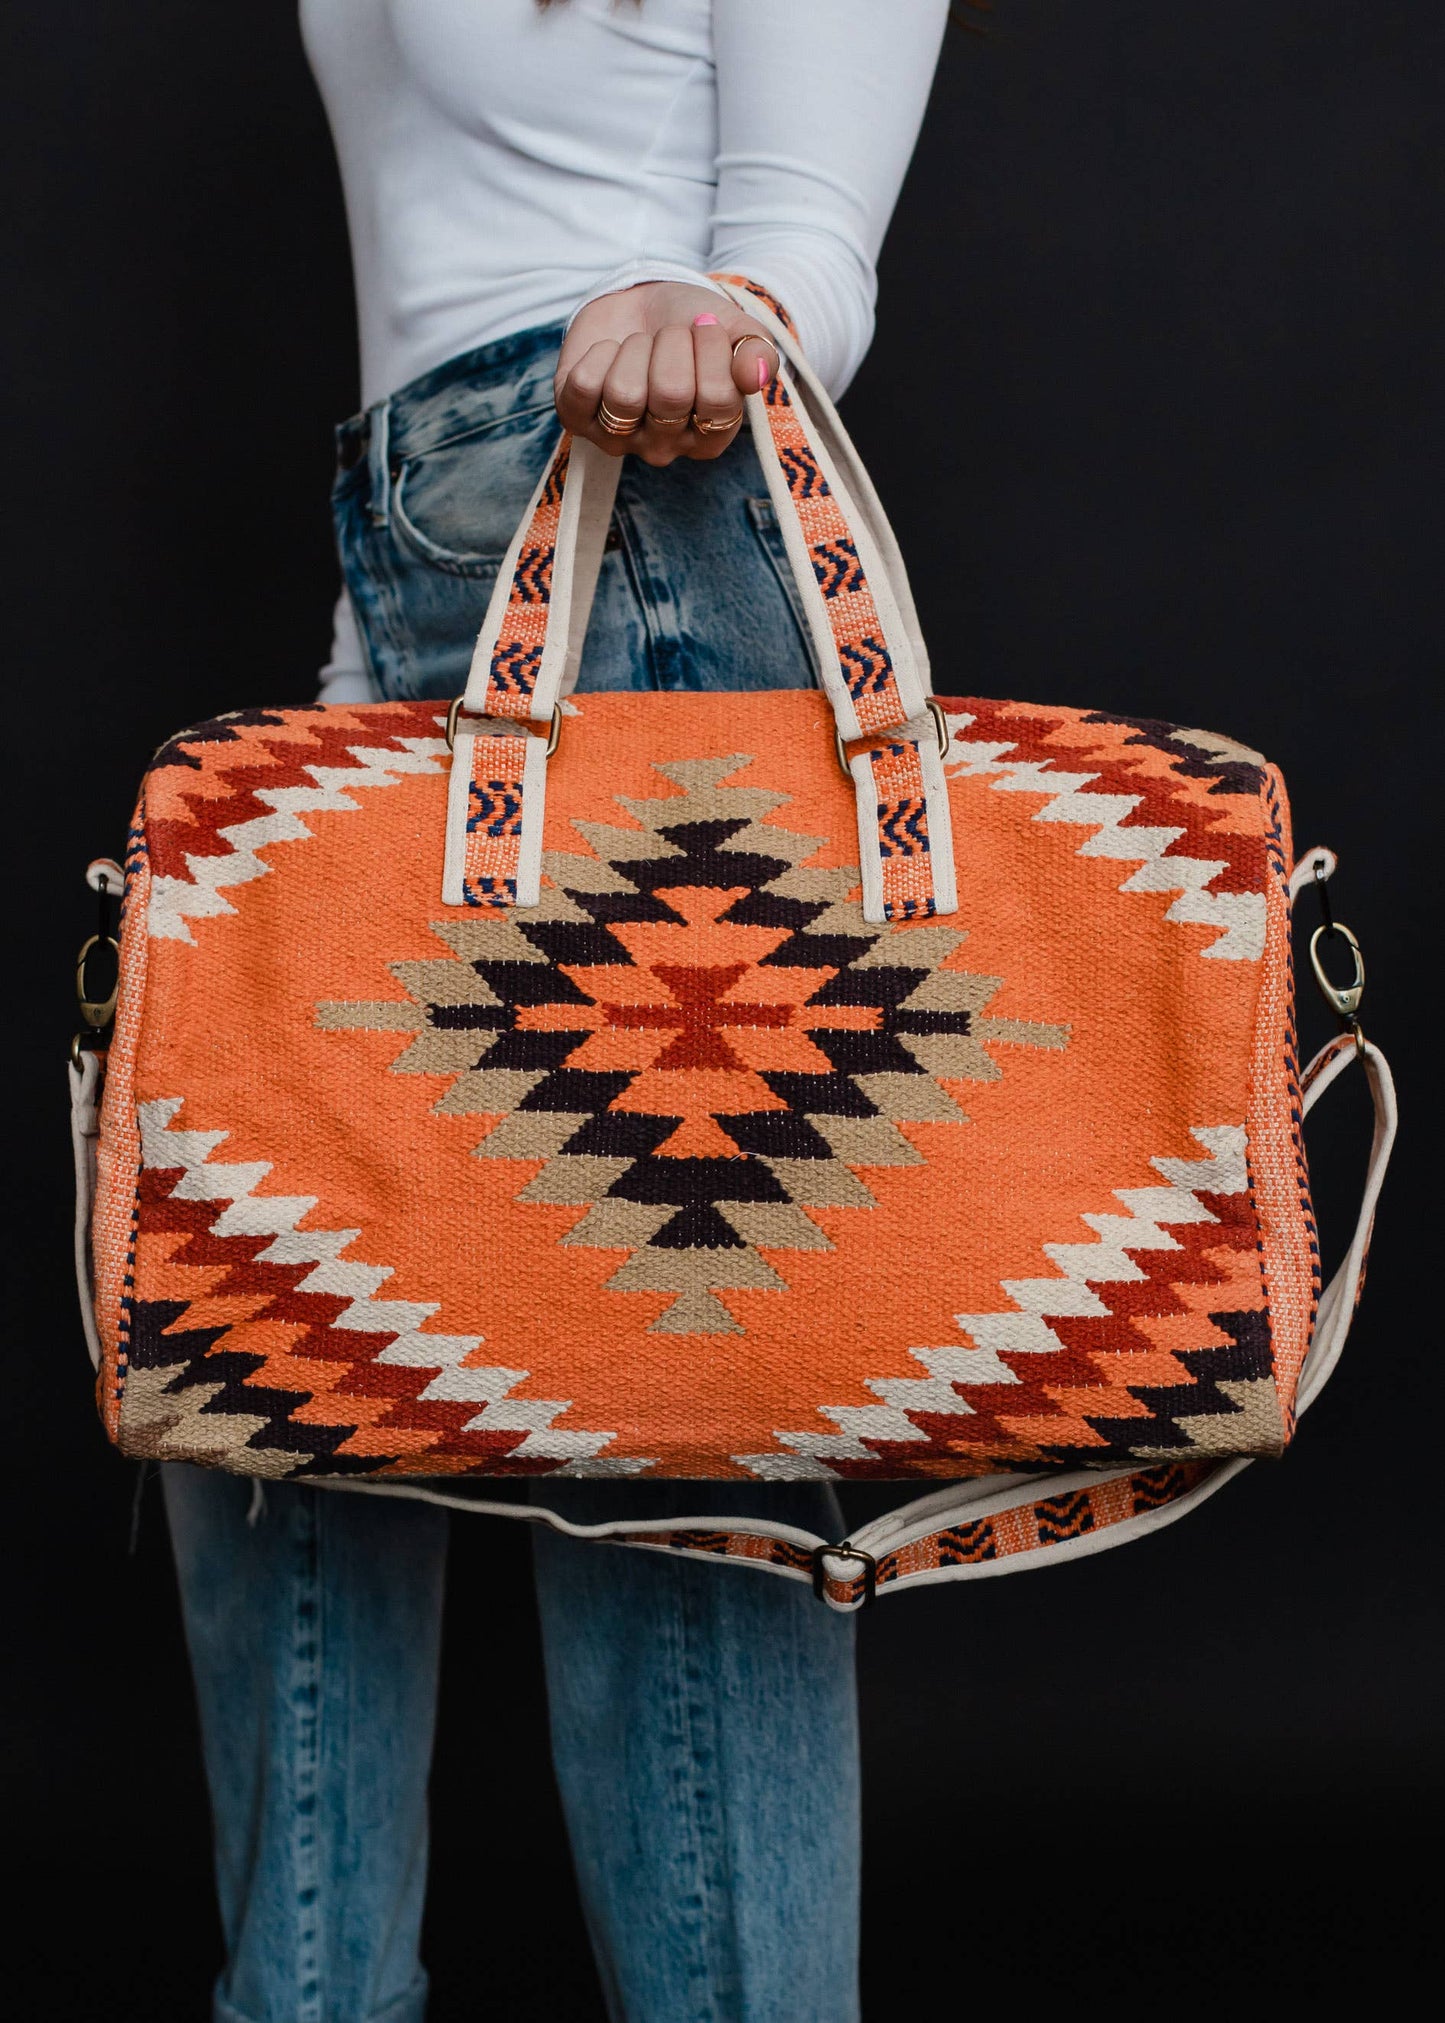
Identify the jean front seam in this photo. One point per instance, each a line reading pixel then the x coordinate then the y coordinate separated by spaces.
pixel 308 1630
pixel 653 588
pixel 371 588
pixel 378 459
pixel 698 1803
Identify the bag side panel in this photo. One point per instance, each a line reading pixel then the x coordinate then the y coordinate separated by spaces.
pixel 1289 1243
pixel 117 1158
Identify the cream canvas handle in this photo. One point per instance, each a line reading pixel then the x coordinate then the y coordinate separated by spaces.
pixel 860 613
pixel 866 510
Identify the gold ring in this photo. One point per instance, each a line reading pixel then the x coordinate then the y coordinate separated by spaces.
pixel 716 428
pixel 756 337
pixel 667 420
pixel 616 424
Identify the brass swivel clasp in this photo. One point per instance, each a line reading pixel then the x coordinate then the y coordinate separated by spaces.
pixel 1343 999
pixel 96 997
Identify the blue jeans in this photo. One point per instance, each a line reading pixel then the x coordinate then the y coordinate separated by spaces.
pixel 703 1717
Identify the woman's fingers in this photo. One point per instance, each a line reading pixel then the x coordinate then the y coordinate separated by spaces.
pixel 625 387
pixel 717 404
pixel 672 378
pixel 671 390
pixel 579 393
pixel 604 396
pixel 755 357
pixel 675 392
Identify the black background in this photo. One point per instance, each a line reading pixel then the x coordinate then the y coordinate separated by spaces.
pixel 1153 406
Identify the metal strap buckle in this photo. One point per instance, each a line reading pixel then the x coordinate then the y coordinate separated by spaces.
pixel 940 725
pixel 845 1551
pixel 506 726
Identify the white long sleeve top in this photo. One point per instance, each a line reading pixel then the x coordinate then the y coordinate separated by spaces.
pixel 504 163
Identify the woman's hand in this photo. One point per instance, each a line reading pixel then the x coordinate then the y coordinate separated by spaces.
pixel 652 370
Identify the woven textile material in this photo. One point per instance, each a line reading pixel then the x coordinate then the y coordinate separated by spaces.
pixel 495 795
pixel 689 1170
pixel 517 655
pixel 863 659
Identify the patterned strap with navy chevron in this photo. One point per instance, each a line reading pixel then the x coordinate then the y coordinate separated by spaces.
pixel 864 633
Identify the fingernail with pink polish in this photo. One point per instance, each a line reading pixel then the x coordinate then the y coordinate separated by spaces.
pixel 762 374
pixel 702 319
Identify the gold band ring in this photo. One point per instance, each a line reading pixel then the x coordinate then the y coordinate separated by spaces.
pixel 756 337
pixel 616 424
pixel 716 428
pixel 667 420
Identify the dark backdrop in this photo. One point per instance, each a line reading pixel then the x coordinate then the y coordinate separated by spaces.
pixel 1152 405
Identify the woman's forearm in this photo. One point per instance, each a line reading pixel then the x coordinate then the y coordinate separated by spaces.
pixel 819 106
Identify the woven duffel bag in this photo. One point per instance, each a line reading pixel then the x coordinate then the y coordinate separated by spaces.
pixel 836 1082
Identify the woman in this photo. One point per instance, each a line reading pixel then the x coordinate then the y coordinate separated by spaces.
pixel 536 194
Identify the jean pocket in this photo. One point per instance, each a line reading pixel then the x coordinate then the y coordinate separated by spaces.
pixel 763 515
pixel 457 505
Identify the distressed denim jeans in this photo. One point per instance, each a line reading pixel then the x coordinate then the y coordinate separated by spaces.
pixel 703 1717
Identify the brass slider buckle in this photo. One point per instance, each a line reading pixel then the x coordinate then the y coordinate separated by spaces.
pixel 845 1551
pixel 1342 999
pixel 940 725
pixel 512 725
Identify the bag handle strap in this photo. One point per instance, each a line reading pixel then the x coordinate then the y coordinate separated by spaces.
pixel 860 614
pixel 852 473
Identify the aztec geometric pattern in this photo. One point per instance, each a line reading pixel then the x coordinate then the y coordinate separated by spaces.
pixel 1215 891
pixel 863 659
pixel 1133 1346
pixel 287 1320
pixel 688 1170
pixel 504 783
pixel 699 1038
pixel 200 846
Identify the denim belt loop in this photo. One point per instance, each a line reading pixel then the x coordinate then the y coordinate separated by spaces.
pixel 379 462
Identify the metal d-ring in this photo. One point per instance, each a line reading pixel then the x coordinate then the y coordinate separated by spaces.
pixel 940 726
pixel 554 734
pixel 845 1551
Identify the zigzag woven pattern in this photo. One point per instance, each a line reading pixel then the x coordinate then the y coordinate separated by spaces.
pixel 908 892
pixel 257 775
pixel 495 806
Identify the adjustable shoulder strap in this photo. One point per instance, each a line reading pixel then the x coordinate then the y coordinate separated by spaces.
pixel 85 1073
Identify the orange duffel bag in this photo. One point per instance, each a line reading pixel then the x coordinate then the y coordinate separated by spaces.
pixel 839 1082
